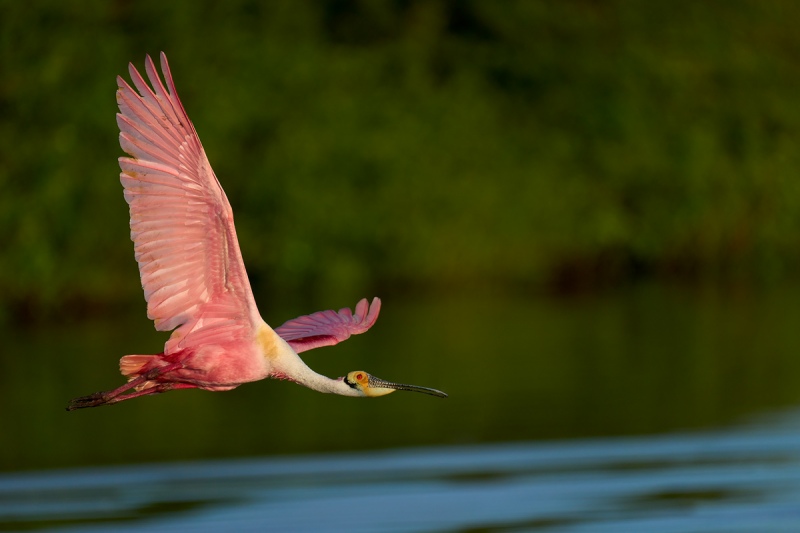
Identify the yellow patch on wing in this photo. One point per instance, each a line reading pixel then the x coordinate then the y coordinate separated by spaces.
pixel 269 341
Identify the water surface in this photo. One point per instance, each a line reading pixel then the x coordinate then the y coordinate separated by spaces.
pixel 740 479
pixel 621 410
pixel 649 359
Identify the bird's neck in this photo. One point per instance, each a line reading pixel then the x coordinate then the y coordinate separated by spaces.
pixel 286 364
pixel 318 382
pixel 293 368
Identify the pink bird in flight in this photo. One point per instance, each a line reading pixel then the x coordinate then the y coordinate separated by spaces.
pixel 192 271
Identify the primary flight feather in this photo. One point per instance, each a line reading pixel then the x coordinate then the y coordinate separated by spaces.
pixel 192 271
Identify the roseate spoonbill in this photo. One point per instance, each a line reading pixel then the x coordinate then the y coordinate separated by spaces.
pixel 192 272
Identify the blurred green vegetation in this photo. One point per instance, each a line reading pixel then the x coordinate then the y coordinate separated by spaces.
pixel 376 144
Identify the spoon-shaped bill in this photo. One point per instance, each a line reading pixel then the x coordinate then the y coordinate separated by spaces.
pixel 377 383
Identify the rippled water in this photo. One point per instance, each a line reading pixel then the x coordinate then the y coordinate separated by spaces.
pixel 745 478
pixel 611 412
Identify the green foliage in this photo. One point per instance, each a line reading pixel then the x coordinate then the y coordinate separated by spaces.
pixel 371 144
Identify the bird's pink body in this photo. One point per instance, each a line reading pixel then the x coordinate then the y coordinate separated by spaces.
pixel 192 271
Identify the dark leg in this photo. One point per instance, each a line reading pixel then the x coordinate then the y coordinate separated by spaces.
pixel 158 389
pixel 113 396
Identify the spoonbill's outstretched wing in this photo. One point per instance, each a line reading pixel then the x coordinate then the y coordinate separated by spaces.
pixel 327 328
pixel 181 222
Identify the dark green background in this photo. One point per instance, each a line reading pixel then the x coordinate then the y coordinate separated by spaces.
pixel 434 144
pixel 476 164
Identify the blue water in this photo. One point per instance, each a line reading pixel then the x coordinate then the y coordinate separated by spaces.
pixel 744 478
pixel 636 410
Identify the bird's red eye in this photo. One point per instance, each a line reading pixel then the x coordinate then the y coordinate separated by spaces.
pixel 359 376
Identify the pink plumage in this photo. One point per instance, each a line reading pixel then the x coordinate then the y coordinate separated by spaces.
pixel 192 272
pixel 326 328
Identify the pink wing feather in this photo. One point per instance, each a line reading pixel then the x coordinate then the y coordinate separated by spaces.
pixel 181 222
pixel 327 328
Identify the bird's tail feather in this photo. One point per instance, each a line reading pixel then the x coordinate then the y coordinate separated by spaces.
pixel 133 365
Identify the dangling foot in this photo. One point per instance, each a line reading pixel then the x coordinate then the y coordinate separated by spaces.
pixel 92 400
pixel 113 396
pixel 101 398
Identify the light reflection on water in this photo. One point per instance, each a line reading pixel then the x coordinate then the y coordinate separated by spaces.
pixel 746 478
pixel 608 400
